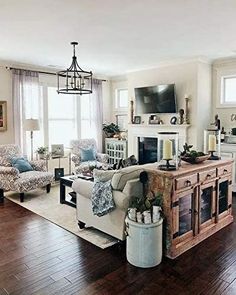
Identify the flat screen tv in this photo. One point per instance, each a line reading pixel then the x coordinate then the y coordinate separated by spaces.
pixel 155 99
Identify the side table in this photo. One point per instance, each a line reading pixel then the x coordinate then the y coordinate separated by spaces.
pixel 66 181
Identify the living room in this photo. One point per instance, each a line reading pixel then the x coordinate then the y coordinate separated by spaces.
pixel 51 239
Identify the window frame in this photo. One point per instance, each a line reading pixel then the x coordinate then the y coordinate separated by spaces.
pixel 117 99
pixel 44 86
pixel 221 75
pixel 222 96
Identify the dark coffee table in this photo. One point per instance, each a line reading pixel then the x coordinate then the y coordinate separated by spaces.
pixel 66 181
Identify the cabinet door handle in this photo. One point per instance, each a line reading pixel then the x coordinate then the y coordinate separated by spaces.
pixel 225 171
pixel 190 211
pixel 187 183
pixel 208 176
pixel 195 212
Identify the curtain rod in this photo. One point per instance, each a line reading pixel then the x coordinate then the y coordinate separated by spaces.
pixel 42 72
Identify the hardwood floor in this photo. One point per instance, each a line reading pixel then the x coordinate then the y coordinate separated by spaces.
pixel 38 257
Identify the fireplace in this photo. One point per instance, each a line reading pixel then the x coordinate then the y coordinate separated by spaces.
pixel 140 131
pixel 147 150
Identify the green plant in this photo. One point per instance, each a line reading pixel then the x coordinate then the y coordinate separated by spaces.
pixel 42 150
pixel 191 153
pixel 111 128
pixel 146 202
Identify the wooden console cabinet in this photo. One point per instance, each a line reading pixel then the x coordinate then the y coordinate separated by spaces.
pixel 197 202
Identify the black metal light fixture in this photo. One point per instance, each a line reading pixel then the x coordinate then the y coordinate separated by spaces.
pixel 76 80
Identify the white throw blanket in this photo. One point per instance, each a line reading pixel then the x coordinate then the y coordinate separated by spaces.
pixel 102 199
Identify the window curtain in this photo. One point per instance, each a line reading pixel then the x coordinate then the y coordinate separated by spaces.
pixel 92 108
pixel 27 103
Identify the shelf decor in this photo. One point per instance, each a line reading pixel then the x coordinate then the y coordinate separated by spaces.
pixel 212 143
pixel 167 150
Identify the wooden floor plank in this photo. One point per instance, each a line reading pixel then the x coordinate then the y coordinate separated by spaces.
pixel 38 257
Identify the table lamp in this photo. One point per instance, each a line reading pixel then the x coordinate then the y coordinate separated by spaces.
pixel 31 125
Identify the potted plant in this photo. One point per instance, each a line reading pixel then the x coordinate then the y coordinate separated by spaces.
pixel 42 150
pixel 144 228
pixel 110 129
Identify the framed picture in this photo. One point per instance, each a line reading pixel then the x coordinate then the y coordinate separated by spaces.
pixel 57 150
pixel 137 119
pixel 3 115
pixel 121 121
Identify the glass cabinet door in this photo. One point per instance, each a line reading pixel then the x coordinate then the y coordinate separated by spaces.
pixel 223 196
pixel 185 214
pixel 206 204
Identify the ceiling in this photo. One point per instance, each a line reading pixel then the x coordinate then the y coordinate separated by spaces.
pixel 115 36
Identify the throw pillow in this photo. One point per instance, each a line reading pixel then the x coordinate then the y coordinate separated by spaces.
pixel 102 175
pixel 87 154
pixel 21 164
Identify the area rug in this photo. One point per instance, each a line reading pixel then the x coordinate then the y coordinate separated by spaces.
pixel 48 206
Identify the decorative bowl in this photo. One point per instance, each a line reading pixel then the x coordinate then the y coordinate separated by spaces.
pixel 196 160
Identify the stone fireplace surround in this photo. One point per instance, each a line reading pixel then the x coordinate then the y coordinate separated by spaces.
pixel 141 130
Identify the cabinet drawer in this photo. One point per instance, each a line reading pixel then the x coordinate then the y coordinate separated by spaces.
pixel 185 182
pixel 224 170
pixel 207 175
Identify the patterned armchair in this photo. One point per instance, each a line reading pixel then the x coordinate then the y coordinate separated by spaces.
pixel 80 166
pixel 12 180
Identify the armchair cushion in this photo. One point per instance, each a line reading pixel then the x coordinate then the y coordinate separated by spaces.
pixel 39 165
pixel 21 164
pixel 8 176
pixel 87 154
pixel 8 170
pixel 31 180
pixel 7 151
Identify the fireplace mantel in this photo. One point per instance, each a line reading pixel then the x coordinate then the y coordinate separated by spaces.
pixel 151 130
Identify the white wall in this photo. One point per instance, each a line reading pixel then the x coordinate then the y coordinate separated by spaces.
pixel 204 101
pixel 192 78
pixel 107 101
pixel 6 94
pixel 184 76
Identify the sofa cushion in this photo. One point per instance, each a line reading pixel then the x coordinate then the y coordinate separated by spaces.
pixel 120 177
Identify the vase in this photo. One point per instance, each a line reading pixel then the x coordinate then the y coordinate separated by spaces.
pixel 41 156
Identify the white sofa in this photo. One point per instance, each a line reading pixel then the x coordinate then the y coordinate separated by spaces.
pixel 125 184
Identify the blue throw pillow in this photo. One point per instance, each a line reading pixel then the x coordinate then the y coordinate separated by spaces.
pixel 21 164
pixel 87 154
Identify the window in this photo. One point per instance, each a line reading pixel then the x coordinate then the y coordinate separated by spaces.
pixel 62 122
pixel 88 129
pixel 121 107
pixel 62 117
pixel 121 99
pixel 228 90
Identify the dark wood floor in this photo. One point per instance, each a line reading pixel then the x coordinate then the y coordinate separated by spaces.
pixel 38 257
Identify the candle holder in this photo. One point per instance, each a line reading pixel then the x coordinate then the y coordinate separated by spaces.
pixel 212 143
pixel 167 166
pixel 167 150
pixel 212 156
